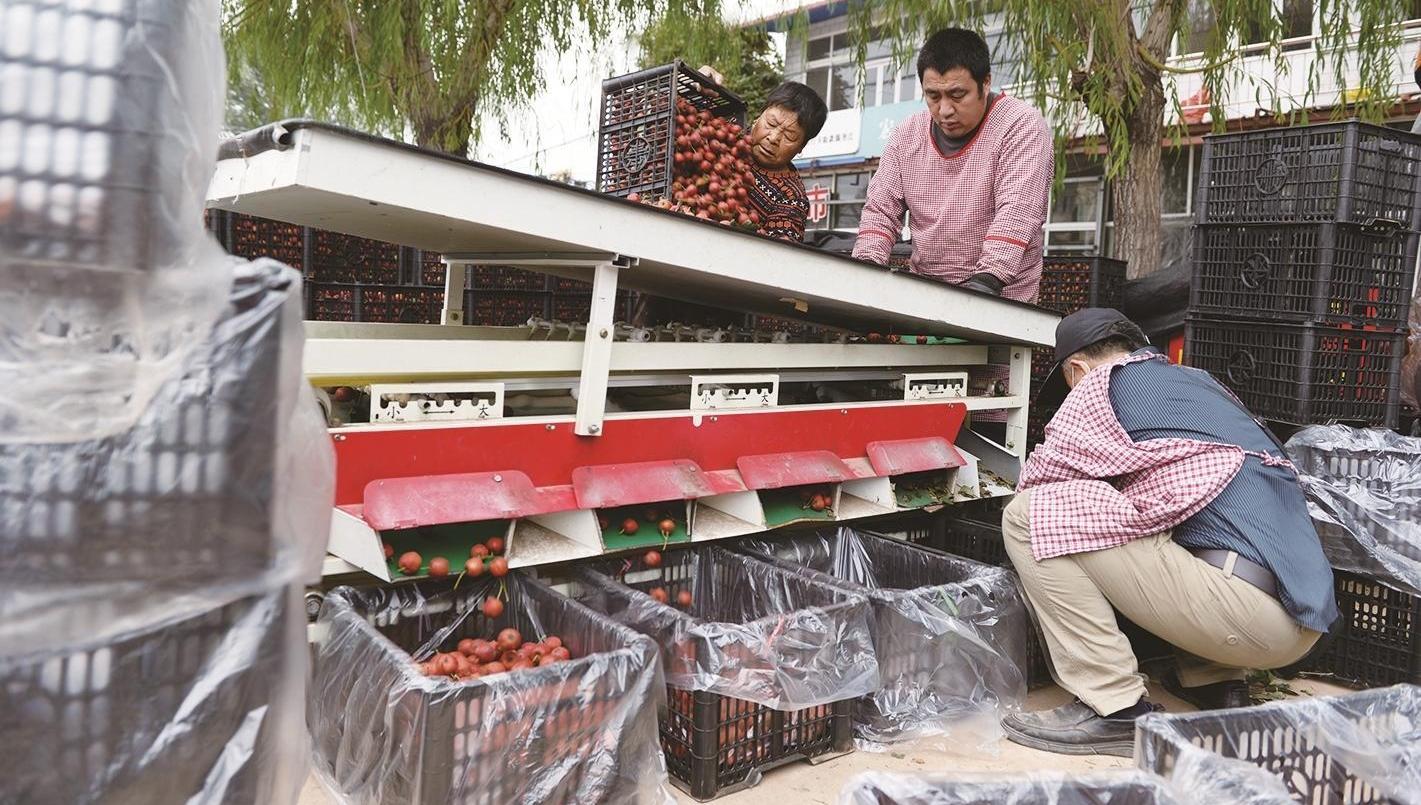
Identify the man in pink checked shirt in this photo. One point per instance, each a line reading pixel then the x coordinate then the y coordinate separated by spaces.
pixel 973 171
pixel 1156 494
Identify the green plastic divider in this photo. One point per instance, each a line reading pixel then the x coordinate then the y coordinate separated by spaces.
pixel 647 535
pixel 453 541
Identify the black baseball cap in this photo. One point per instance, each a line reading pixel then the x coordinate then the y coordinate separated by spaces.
pixel 1076 332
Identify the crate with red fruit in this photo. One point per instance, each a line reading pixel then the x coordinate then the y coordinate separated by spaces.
pixel 426 693
pixel 761 664
pixel 673 138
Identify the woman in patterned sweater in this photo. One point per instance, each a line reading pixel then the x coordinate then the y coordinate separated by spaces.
pixel 793 116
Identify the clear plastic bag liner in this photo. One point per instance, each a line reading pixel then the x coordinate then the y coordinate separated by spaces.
pixel 1234 782
pixel 753 631
pixel 109 120
pixel 224 485
pixel 582 731
pixel 1364 495
pixel 950 634
pixel 204 706
pixel 1366 743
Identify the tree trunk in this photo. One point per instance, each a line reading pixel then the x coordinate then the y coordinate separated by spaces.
pixel 1136 192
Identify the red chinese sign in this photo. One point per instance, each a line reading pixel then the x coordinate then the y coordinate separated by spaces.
pixel 818 203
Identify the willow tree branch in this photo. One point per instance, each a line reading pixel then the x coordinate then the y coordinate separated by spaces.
pixel 1153 61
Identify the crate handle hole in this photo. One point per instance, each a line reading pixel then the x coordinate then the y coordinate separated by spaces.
pixel 1256 270
pixel 1271 177
pixel 1242 366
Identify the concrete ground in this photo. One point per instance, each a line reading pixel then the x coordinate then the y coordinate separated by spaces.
pixel 813 784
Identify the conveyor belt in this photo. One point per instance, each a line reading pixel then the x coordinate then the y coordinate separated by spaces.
pixel 332 178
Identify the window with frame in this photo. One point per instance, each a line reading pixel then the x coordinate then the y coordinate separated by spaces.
pixel 830 71
pixel 1202 32
pixel 1073 221
pixel 847 194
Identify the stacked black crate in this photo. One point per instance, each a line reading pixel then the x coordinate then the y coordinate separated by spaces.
pixel 1304 259
pixel 1069 284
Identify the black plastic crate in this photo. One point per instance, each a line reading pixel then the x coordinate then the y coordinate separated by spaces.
pixel 982 542
pixel 100 184
pixel 507 278
pixel 1069 284
pixel 636 139
pixel 154 713
pixel 1302 374
pixel 1379 641
pixel 714 743
pixel 252 237
pixel 507 308
pixel 950 633
pixel 1294 741
pixel 388 304
pixel 338 257
pixel 1348 172
pixel 383 730
pixel 1339 273
pixel 186 492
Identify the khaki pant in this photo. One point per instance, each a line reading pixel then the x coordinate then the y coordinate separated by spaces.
pixel 1219 624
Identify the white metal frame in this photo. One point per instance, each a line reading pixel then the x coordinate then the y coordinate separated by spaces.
pixel 343 181
pixel 597 344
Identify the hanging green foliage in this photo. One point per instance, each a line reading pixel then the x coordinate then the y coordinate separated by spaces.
pixel 422 69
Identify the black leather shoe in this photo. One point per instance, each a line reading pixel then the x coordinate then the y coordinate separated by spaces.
pixel 1218 696
pixel 1073 729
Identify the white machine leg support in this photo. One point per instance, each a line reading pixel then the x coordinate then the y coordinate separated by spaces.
pixel 597 352
pixel 456 273
pixel 1018 385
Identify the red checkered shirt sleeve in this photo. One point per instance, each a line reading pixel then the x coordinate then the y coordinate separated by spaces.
pixel 882 216
pixel 1025 166
pixel 1093 487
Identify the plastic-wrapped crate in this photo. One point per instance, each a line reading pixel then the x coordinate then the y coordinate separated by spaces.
pixel 225 475
pixel 1337 273
pixel 1069 284
pixel 637 133
pixel 1379 640
pixel 1365 490
pixel 582 731
pixel 950 634
pixel 1348 172
pixel 199 705
pixel 982 542
pixel 1302 374
pixel 762 665
pixel 1359 748
pixel 102 106
pixel 108 114
pixel 1217 781
pixel 252 237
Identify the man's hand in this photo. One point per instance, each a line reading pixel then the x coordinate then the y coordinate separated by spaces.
pixel 712 73
pixel 984 283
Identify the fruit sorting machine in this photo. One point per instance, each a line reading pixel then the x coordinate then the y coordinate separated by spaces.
pixel 550 433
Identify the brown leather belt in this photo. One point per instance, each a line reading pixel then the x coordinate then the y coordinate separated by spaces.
pixel 1246 569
